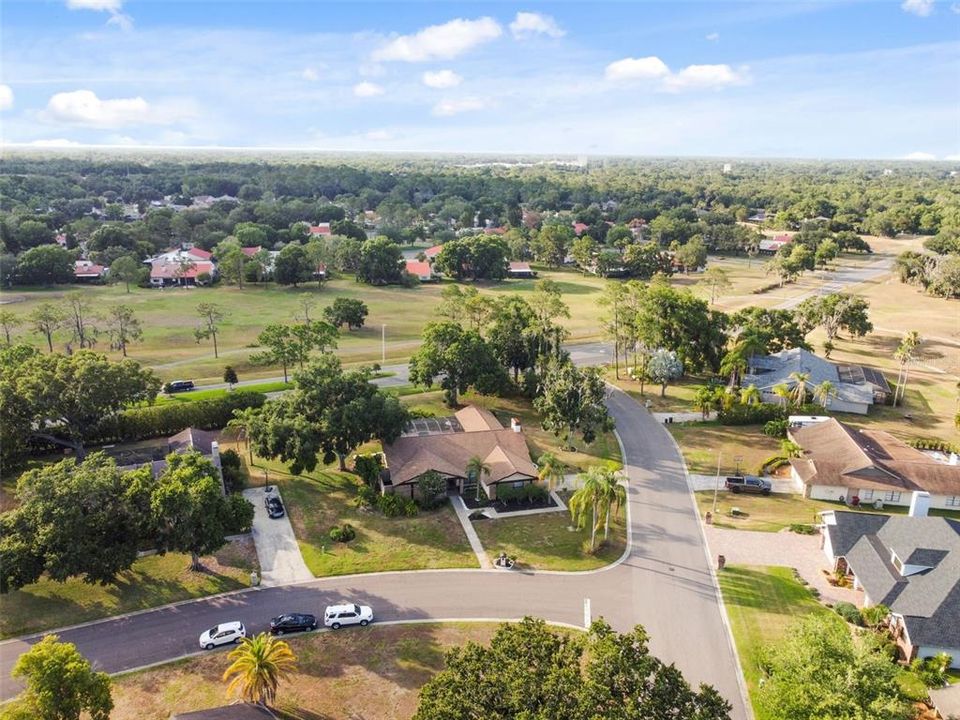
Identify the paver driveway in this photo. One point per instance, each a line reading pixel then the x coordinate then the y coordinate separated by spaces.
pixel 664 582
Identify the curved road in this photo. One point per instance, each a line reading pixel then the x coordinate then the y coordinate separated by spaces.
pixel 664 582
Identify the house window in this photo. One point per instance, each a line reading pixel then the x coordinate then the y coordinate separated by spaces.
pixel 518 484
pixel 866 495
pixel 892 496
pixel 953 501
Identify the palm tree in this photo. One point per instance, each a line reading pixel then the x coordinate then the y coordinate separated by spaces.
pixel 259 665
pixel 905 354
pixel 790 449
pixel 750 395
pixel 703 400
pixel 782 391
pixel 586 499
pixel 800 388
pixel 823 392
pixel 241 422
pixel 613 496
pixel 550 469
pixel 476 468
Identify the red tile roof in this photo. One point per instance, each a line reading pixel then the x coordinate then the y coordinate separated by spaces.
pixel 320 229
pixel 420 269
pixel 579 227
pixel 783 238
pixel 432 252
pixel 198 253
pixel 85 268
pixel 172 271
pixel 251 251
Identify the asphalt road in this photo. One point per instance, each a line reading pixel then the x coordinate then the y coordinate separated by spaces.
pixel 840 280
pixel 664 583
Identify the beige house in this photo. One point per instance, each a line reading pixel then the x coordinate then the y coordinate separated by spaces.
pixel 868 467
pixel 446 445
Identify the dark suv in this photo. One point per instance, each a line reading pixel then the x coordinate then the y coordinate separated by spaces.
pixel 179 386
pixel 739 484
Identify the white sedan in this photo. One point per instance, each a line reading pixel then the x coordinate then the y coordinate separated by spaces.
pixel 223 634
pixel 336 615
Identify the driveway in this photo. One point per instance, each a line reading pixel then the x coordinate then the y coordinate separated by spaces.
pixel 277 550
pixel 664 581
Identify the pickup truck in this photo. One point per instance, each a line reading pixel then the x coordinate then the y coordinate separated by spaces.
pixel 739 483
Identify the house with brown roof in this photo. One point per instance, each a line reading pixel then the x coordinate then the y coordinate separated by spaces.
pixel 859 466
pixel 446 446
pixel 518 269
pixel 87 271
pixel 421 270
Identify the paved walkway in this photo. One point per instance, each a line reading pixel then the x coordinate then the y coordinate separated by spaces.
pixel 493 513
pixel 277 550
pixel 463 515
pixel 801 552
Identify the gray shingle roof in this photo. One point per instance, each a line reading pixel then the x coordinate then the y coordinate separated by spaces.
pixel 775 369
pixel 929 601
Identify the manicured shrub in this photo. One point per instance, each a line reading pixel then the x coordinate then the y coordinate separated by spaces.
pixel 234 479
pixel 772 463
pixel 368 467
pixel 143 423
pixel 803 529
pixel 751 414
pixel 342 533
pixel 874 615
pixel 239 514
pixel 849 612
pixel 776 428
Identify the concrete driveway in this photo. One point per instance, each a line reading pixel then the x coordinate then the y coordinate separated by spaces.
pixel 280 560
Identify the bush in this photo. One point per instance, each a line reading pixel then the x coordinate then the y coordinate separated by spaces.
pixel 143 423
pixel 395 506
pixel 239 514
pixel 874 615
pixel 932 670
pixel 776 428
pixel 803 529
pixel 368 467
pixel 342 533
pixel 772 463
pixel 530 492
pixel 433 490
pixel 234 479
pixel 849 612
pixel 366 497
pixel 933 444
pixel 751 414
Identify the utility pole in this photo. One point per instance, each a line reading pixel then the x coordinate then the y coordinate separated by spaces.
pixel 716 486
pixel 383 345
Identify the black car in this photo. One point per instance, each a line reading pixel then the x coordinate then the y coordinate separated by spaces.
pixel 274 507
pixel 738 484
pixel 292 622
pixel 179 386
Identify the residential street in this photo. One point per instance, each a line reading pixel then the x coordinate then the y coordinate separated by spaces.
pixel 664 582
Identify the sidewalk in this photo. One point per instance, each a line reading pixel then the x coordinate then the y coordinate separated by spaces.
pixel 699 483
pixel 463 515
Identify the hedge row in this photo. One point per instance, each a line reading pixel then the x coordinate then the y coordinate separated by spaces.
pixel 751 414
pixel 143 423
pixel 937 445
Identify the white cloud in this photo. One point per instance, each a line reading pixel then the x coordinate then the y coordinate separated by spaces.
pixel 440 42
pixel 6 97
pixel 446 108
pixel 528 24
pixel 923 8
pixel 647 68
pixel 379 135
pixel 920 156
pixel 701 77
pixel 310 74
pixel 713 37
pixel 55 143
pixel 952 158
pixel 83 107
pixel 367 89
pixel 441 79
pixel 114 7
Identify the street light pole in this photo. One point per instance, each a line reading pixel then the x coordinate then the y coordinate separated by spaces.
pixel 383 345
pixel 716 486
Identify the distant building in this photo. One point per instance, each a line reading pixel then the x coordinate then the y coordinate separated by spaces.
pixel 421 270
pixel 727 168
pixel 771 246
pixel 320 229
pixel 432 252
pixel 89 272
pixel 520 270
pixel 580 228
pixel 182 267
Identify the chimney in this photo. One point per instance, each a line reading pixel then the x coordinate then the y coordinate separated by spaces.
pixel 215 459
pixel 515 424
pixel 919 504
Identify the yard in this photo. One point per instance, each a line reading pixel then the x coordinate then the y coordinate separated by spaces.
pixel 374 673
pixel 678 397
pixel 761 603
pixel 700 442
pixel 317 501
pixel 152 581
pixel 550 542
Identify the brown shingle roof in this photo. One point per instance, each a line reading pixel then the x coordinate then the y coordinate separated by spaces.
pixel 835 454
pixel 473 419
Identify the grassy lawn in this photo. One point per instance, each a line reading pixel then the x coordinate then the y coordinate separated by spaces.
pixel 152 581
pixel 194 395
pixel 678 398
pixel 700 442
pixel 766 514
pixel 318 500
pixel 373 673
pixel 762 602
pixel 546 542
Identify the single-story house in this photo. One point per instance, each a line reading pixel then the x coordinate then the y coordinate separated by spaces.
pixel 520 270
pixel 855 387
pixel 87 271
pixel 909 563
pixel 580 228
pixel 203 441
pixel 237 711
pixel 432 252
pixel 181 267
pixel 320 229
pixel 771 246
pixel 869 466
pixel 421 270
pixel 446 445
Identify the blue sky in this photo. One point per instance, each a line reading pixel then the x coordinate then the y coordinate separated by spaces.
pixel 770 79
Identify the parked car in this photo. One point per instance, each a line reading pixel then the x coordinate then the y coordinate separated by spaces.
pixel 292 622
pixel 349 614
pixel 223 634
pixel 740 484
pixel 274 507
pixel 178 386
